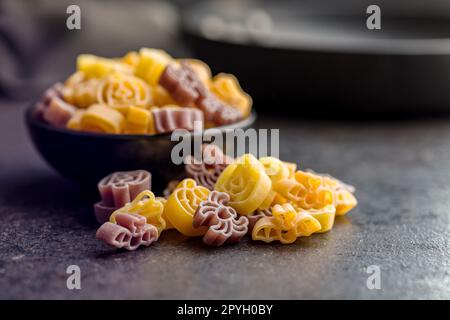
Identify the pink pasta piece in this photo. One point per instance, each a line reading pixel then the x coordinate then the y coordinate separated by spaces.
pixel 119 188
pixel 186 88
pixel 114 235
pixel 130 232
pixel 224 224
pixel 182 83
pixel 132 221
pixel 207 170
pixel 167 119
pixel 217 111
pixel 58 112
pixel 54 91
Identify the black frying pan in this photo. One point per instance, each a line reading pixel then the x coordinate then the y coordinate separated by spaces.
pixel 323 60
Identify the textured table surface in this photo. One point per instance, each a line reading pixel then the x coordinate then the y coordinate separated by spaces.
pixel 401 172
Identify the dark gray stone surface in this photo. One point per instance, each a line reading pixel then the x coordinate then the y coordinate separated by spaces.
pixel 401 172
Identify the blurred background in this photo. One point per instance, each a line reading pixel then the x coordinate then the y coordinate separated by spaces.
pixel 314 57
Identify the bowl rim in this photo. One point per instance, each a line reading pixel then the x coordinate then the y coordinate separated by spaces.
pixel 32 120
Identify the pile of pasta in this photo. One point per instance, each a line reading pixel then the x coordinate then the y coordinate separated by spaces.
pixel 222 201
pixel 145 92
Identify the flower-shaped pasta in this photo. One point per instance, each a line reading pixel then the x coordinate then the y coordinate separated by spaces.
pixel 218 112
pixel 58 112
pixel 120 91
pixel 182 83
pixel 146 205
pixel 129 232
pixel 222 221
pixel 344 200
pixel 305 190
pixel 118 189
pixel 182 204
pixel 80 91
pixel 226 87
pixel 247 184
pixel 276 170
pixel 326 190
pixel 256 216
pixel 206 171
pixel 285 225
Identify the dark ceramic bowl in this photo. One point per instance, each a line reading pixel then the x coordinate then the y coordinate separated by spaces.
pixel 87 157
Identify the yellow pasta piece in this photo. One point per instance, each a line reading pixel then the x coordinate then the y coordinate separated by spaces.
pixel 138 120
pixel 247 184
pixel 182 204
pixel 307 193
pixel 279 199
pixel 325 216
pixel 275 168
pixel 267 203
pixel 344 201
pixel 131 58
pixel 74 79
pixel 292 167
pixel 266 230
pixel 81 93
pixel 326 190
pixel 146 205
pixel 227 88
pixel 101 118
pixel 151 65
pixel 168 224
pixel 312 191
pixel 120 91
pixel 98 67
pixel 285 225
pixel 74 122
pixel 306 224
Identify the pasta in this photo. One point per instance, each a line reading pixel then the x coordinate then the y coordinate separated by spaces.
pixel 224 225
pixel 285 225
pixel 148 79
pixel 120 92
pixel 129 232
pixel 247 184
pixel 100 118
pixel 144 204
pixel 182 204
